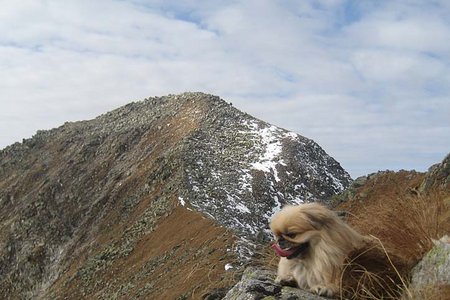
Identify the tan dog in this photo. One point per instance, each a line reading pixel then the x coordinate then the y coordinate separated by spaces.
pixel 313 243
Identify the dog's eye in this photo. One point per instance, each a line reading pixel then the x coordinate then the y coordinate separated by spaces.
pixel 290 235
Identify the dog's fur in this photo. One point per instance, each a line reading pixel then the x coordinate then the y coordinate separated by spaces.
pixel 326 243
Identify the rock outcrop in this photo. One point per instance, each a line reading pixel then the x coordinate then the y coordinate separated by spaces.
pixel 438 176
pixel 258 283
pixel 431 276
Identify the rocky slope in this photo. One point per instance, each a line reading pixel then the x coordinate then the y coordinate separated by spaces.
pixel 438 177
pixel 109 208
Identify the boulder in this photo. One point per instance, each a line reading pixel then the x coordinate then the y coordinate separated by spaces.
pixel 432 273
pixel 258 283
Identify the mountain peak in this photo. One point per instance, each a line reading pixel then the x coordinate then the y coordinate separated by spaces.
pixel 79 201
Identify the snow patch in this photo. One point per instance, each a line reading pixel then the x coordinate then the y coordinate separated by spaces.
pixel 242 208
pixel 271 143
pixel 268 138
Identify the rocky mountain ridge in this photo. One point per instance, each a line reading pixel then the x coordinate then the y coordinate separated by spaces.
pixel 91 209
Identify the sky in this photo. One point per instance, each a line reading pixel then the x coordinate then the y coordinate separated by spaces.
pixel 369 81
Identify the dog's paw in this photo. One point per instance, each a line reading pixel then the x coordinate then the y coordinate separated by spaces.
pixel 323 290
pixel 286 281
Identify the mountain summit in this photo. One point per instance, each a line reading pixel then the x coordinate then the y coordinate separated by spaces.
pixel 126 193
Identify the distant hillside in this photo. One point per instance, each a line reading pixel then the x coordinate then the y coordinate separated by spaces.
pixel 153 199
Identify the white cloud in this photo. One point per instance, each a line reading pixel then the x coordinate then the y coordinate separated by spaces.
pixel 369 81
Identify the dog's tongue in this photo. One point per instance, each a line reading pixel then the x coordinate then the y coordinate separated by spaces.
pixel 283 252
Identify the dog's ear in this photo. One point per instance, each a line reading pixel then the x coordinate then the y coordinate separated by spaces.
pixel 318 218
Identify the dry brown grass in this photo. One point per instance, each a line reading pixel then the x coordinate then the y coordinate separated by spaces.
pixel 407 225
pixel 372 273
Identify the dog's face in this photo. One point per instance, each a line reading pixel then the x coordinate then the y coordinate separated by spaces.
pixel 297 229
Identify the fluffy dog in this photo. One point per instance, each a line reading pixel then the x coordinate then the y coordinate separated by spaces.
pixel 313 243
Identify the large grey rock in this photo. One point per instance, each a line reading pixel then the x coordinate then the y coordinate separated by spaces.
pixel 434 268
pixel 257 283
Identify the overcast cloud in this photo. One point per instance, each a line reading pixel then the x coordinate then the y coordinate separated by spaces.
pixel 368 80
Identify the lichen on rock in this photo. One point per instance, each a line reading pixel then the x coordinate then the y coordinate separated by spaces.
pixel 258 283
pixel 434 269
